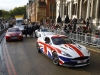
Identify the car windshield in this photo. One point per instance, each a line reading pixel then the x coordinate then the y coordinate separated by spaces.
pixel 44 30
pixel 61 40
pixel 19 21
pixel 14 30
pixel 21 26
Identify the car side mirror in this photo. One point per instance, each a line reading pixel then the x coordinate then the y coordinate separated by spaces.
pixel 46 42
pixel 39 35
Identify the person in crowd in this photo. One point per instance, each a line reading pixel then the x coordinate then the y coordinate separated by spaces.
pixel 80 29
pixel 84 29
pixel 26 29
pixel 87 23
pixel 66 29
pixel 36 27
pixel 30 30
pixel 74 24
pixel 70 26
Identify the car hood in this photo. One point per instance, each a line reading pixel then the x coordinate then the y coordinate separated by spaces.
pixel 75 50
pixel 48 33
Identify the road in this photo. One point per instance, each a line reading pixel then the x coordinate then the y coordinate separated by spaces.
pixel 22 58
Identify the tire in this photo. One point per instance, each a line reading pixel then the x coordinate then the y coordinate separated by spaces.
pixel 35 36
pixel 38 48
pixel 22 40
pixel 7 41
pixel 55 59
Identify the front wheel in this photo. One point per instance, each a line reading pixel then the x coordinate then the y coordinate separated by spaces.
pixel 55 59
pixel 36 36
pixel 38 48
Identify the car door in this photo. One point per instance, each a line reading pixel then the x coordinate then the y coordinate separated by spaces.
pixel 47 47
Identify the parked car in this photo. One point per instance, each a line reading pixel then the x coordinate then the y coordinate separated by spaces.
pixel 42 32
pixel 21 27
pixel 63 51
pixel 13 34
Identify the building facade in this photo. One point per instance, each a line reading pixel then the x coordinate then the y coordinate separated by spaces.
pixel 41 10
pixel 80 9
pixel 36 10
pixel 51 9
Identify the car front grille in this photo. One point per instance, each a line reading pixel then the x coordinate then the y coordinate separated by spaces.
pixel 81 58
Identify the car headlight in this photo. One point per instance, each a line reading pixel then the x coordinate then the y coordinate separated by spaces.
pixel 7 35
pixel 20 34
pixel 39 35
pixel 66 54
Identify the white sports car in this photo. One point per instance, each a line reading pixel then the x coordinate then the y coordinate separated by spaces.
pixel 63 51
pixel 42 32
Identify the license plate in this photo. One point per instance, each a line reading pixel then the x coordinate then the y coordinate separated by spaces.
pixel 13 37
pixel 81 61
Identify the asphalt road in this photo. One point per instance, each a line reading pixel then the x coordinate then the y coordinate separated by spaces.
pixel 22 58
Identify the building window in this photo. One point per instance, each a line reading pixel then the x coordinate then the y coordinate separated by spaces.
pixel 52 10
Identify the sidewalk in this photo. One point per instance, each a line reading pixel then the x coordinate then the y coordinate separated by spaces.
pixel 2 65
pixel 91 48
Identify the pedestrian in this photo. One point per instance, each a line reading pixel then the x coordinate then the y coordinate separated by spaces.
pixel 36 27
pixel 74 24
pixel 87 23
pixel 26 30
pixel 31 29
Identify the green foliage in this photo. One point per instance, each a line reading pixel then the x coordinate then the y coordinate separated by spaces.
pixel 5 14
pixel 12 13
pixel 0 13
pixel 18 11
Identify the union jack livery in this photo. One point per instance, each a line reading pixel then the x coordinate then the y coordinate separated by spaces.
pixel 63 51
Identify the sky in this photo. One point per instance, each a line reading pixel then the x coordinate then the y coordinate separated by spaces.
pixel 11 4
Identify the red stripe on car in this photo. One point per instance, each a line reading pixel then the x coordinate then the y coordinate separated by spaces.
pixel 77 50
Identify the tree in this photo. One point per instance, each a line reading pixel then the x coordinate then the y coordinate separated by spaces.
pixel 12 13
pixel 0 13
pixel 18 11
pixel 5 14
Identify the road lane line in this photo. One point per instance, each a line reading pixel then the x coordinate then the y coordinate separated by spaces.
pixel 9 64
pixel 6 60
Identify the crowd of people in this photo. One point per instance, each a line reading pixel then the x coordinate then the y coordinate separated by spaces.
pixel 72 27
pixel 29 29
pixel 3 24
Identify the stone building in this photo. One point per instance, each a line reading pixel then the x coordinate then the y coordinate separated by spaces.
pixel 40 10
pixel 81 9
pixel 36 10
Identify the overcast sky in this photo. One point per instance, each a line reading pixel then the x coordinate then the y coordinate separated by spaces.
pixel 10 4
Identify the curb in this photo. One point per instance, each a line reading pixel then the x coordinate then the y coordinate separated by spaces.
pixel 1 37
pixel 97 51
pixel 91 48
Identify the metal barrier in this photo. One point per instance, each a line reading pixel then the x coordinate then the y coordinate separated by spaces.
pixel 83 38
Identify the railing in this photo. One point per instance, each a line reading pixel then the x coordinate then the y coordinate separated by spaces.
pixel 82 38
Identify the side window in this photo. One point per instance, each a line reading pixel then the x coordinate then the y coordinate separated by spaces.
pixel 47 40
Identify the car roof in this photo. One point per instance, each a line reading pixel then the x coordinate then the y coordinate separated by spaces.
pixel 15 26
